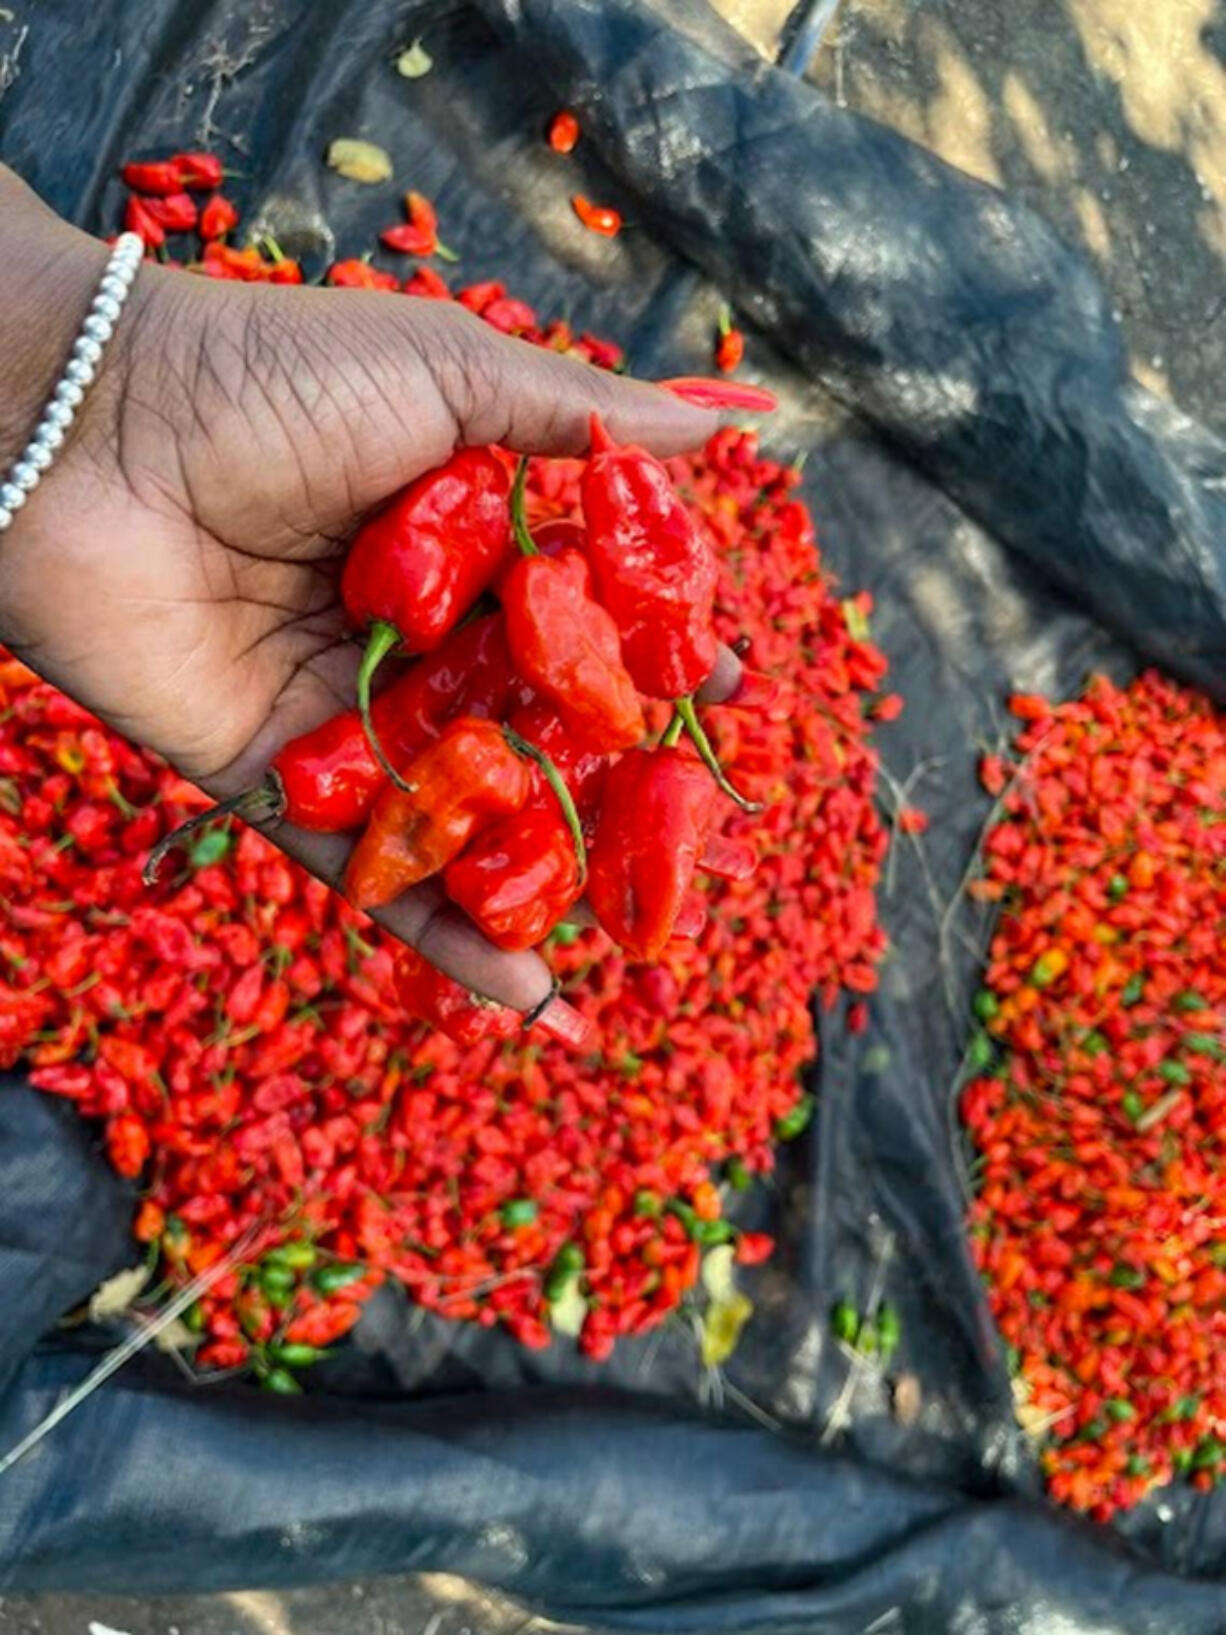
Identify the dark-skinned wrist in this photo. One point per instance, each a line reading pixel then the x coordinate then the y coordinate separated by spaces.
pixel 50 273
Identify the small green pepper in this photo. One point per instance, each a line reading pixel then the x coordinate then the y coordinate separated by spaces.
pixel 520 1212
pixel 282 1382
pixel 332 1279
pixel 986 1005
pixel 796 1122
pixel 889 1329
pixel 647 1203
pixel 210 848
pixel 295 1355
pixel 739 1178
pixel 844 1321
pixel 298 1256
pixel 982 1052
pixel 1120 1409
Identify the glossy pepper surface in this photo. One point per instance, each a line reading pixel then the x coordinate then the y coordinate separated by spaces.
pixel 445 1004
pixel 565 645
pixel 652 568
pixel 659 807
pixel 330 777
pixel 583 770
pixel 423 561
pixel 518 878
pixel 468 777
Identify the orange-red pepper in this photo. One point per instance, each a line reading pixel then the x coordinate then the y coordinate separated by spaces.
pixel 597 218
pixel 464 780
pixel 563 131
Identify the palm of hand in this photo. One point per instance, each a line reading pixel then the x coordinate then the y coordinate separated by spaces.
pixel 178 570
pixel 204 524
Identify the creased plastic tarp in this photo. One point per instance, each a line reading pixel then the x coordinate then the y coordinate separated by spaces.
pixel 1021 513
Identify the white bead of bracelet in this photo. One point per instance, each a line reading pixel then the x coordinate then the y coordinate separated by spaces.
pixel 97 329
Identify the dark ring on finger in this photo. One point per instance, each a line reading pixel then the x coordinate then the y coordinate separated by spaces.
pixel 532 1017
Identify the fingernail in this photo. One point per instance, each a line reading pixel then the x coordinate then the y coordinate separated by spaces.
pixel 707 393
pixel 754 691
pixel 693 916
pixel 561 1021
pixel 728 859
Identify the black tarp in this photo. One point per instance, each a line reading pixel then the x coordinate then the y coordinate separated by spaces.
pixel 1020 511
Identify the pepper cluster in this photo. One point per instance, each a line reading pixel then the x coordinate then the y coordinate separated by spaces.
pixel 518 746
pixel 239 1033
pixel 1098 1103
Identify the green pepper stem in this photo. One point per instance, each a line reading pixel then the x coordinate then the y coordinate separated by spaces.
pixel 262 804
pixel 688 716
pixel 519 521
pixel 725 318
pixel 444 251
pixel 557 783
pixel 672 732
pixel 383 637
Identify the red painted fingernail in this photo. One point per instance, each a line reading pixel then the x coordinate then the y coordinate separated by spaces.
pixel 729 859
pixel 564 1023
pixel 754 691
pixel 706 393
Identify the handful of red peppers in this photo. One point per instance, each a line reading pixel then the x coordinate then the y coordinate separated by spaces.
pixel 512 756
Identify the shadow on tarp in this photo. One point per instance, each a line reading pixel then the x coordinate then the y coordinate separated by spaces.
pixel 1021 513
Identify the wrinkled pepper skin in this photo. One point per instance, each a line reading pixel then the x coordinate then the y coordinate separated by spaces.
pixel 659 807
pixel 422 562
pixel 518 878
pixel 566 647
pixel 329 776
pixel 652 568
pixel 583 770
pixel 465 779
pixel 448 1006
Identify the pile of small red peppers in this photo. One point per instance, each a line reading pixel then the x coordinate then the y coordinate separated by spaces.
pixel 241 1032
pixel 1098 1097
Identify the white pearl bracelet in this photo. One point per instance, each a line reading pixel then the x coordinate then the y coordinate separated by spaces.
pixel 76 380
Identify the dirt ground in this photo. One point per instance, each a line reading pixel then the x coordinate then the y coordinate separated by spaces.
pixel 1108 117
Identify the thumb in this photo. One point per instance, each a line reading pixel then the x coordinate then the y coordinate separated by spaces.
pixel 528 398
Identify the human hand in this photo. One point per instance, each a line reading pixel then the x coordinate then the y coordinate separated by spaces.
pixel 177 570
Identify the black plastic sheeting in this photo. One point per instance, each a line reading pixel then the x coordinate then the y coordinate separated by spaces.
pixel 1022 514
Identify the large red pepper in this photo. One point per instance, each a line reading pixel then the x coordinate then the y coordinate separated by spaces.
pixel 417 567
pixel 653 569
pixel 656 574
pixel 654 832
pixel 327 780
pixel 464 780
pixel 518 877
pixel 565 645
